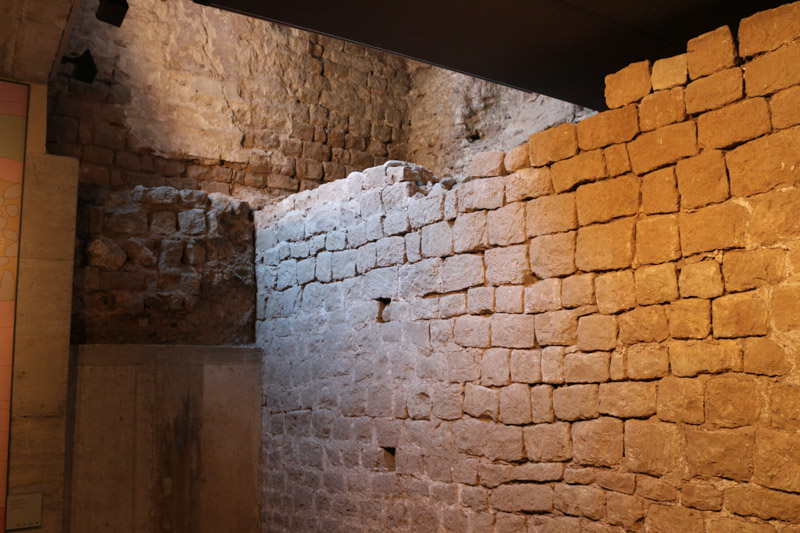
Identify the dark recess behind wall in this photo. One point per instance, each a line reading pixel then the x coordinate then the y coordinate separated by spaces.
pixel 562 49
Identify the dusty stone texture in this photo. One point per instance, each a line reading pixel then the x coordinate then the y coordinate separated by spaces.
pixel 192 284
pixel 535 358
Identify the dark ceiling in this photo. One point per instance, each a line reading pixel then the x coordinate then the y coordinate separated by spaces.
pixel 561 48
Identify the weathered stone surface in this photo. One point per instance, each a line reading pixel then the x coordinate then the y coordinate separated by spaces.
pixel 543 296
pixel 551 214
pixel 662 108
pixel 731 525
pixel 715 227
pixel 608 199
pixel 643 324
pixel 739 315
pixel 483 193
pixel 609 127
pixel 525 366
pixel 764 356
pixel 776 460
pixel 583 168
pixel 528 183
pixel 702 179
pixel 765 163
pixel 515 404
pixel 507 225
pixel 784 406
pixel 480 402
pixel 617 161
pixel 605 246
pixel 553 365
pixel 773 71
pixel 733 124
pixel 711 52
pixel 582 367
pixel 701 496
pixel 542 404
pixel 517 158
pixel 105 253
pixel 597 332
pixel 659 192
pixel 576 402
pixel 647 361
pixel 504 443
pixel 578 500
pixel 763 503
pixel 623 510
pixel 733 400
pixel 744 270
pixel 553 255
pixel 783 108
pixel 615 291
pixel 524 497
pixel 666 518
pixel 578 290
pixel 548 442
pixel 690 358
pixel 769 29
pixel 628 399
pixel 722 453
pixel 652 447
pixel 702 280
pixel 558 328
pixel 486 164
pixel 656 284
pixel 512 331
pixel 597 442
pixel 681 400
pixel 663 146
pixel 472 331
pixel 669 72
pixel 655 489
pixel 553 144
pixel 507 265
pixel 714 91
pixel 690 319
pixel 469 232
pixel 628 85
pixel 771 214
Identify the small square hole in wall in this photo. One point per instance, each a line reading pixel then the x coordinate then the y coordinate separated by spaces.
pixel 383 309
pixel 388 458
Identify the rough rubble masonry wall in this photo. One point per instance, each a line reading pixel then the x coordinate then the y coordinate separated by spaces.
pixel 165 266
pixel 598 334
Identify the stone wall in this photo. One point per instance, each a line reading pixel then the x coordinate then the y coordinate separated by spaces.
pixel 164 265
pixel 453 116
pixel 194 97
pixel 599 332
pixel 191 96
